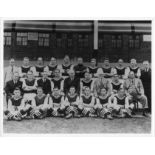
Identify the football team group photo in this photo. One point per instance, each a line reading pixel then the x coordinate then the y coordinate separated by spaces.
pixel 77 76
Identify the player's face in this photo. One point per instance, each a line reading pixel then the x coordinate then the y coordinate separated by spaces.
pixel 17 93
pixel 133 63
pixel 53 61
pixel 30 75
pixel 103 92
pixel 15 76
pixel 72 74
pixel 87 91
pixel 40 62
pixel 66 59
pixel 44 74
pixel 72 90
pixel 93 63
pixel 120 62
pixel 116 78
pixel 87 76
pixel 106 62
pixel 26 62
pixel 39 91
pixel 12 62
pixel 80 61
pixel 131 75
pixel 57 73
pixel 121 92
pixel 56 92
pixel 146 65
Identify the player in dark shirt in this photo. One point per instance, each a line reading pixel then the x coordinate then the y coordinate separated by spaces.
pixel 51 67
pixel 15 106
pixel 121 105
pixel 80 69
pixel 134 68
pixel 88 101
pixel 66 66
pixel 103 105
pixel 87 81
pixel 115 84
pixel 120 69
pixel 41 104
pixel 57 81
pixel 107 69
pixel 56 104
pixel 72 104
pixel 23 70
pixel 39 68
pixel 93 69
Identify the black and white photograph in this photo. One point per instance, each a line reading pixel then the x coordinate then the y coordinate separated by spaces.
pixel 77 76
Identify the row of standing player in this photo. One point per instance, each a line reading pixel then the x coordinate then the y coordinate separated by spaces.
pixel 79 69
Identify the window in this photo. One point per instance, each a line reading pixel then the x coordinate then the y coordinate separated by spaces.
pixel 43 39
pixel 83 41
pixel 134 41
pixel 21 38
pixel 7 38
pixel 116 41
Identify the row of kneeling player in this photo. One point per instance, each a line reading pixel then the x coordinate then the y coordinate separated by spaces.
pixel 71 105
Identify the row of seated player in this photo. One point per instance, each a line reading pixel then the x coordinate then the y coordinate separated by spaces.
pixel 109 70
pixel 133 86
pixel 71 105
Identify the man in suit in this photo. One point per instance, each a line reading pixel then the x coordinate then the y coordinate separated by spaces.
pixel 134 89
pixel 71 81
pixel 8 71
pixel 12 84
pixel 146 80
pixel 45 83
pixel 101 83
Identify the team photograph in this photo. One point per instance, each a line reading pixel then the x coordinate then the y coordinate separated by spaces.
pixel 77 76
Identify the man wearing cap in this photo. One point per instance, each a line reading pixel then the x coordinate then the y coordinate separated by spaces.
pixel 100 83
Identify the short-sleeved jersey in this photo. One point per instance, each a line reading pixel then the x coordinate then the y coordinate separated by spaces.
pixel 52 69
pixel 134 69
pixel 39 69
pixel 66 68
pixel 116 86
pixel 25 69
pixel 106 70
pixel 39 101
pixel 86 100
pixel 56 99
pixel 120 71
pixel 121 101
pixel 92 70
pixel 72 99
pixel 86 84
pixel 30 83
pixel 103 100
pixel 16 102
